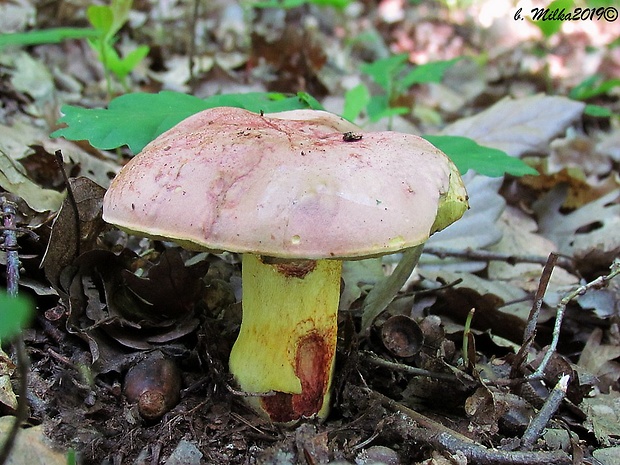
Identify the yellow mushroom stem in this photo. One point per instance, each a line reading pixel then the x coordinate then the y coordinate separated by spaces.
pixel 287 341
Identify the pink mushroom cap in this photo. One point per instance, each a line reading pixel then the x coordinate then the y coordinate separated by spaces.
pixel 292 185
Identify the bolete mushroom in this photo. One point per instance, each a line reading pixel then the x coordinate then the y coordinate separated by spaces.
pixel 296 193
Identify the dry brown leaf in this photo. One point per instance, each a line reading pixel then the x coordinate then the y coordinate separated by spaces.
pixel 62 248
pixel 485 407
pixel 577 150
pixel 14 144
pixel 598 358
pixel 588 233
pixel 603 419
pixel 519 238
pixel 7 396
pixel 580 190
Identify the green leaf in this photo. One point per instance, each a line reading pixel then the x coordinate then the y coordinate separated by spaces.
pixel 593 86
pixel 379 107
pixel 597 111
pixel 136 119
pixel 308 101
pixel 101 17
pixel 429 72
pixel 120 14
pixel 106 53
pixel 385 70
pixel 268 102
pixel 121 67
pixel 355 100
pixel 108 20
pixel 47 36
pixel 15 314
pixel 131 119
pixel 467 154
pixel 549 27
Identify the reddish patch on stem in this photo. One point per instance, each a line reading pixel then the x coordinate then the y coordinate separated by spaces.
pixel 312 367
pixel 291 268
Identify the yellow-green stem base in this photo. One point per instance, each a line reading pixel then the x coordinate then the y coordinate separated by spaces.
pixel 287 341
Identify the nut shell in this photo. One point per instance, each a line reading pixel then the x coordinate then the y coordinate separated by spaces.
pixel 154 384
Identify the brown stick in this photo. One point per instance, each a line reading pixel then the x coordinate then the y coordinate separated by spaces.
pixel 532 321
pixel 488 256
pixel 444 438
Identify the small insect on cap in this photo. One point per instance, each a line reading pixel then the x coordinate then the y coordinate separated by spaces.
pixel 295 184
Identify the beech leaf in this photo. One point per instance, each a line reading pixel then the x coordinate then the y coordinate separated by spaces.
pixel 136 119
pixel 467 154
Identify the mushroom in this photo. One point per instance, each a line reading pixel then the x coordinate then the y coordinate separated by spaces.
pixel 296 193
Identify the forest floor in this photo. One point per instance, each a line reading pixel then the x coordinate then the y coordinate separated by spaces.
pixel 547 97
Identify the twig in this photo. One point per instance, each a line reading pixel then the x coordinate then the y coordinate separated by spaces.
pixel 10 246
pixel 32 234
pixel 369 439
pixel 375 360
pixel 598 283
pixel 551 405
pixel 10 242
pixel 480 455
pixel 441 437
pixel 530 330
pixel 422 420
pixel 487 256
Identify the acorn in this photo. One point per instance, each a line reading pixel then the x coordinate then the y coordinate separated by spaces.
pixel 153 383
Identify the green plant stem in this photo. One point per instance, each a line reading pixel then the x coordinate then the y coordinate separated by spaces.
pixel 466 335
pixel 106 70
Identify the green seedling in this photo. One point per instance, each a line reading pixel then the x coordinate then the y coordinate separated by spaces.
pixel 394 75
pixel 107 21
